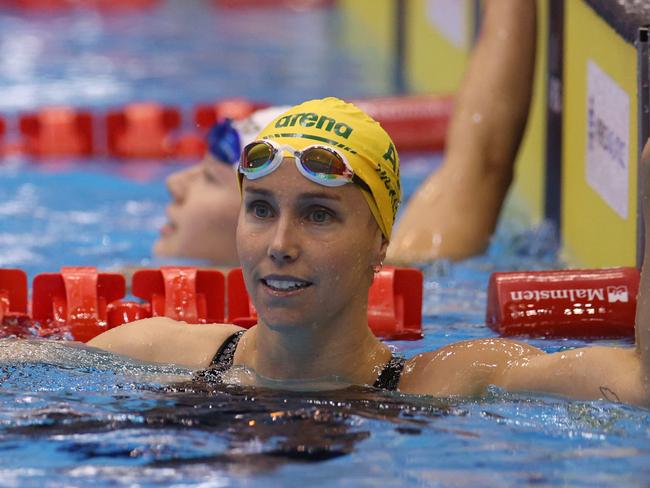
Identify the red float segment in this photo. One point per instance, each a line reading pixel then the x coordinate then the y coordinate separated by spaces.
pixel 394 303
pixel 241 310
pixel 14 321
pixel 13 303
pixel 75 300
pixel 13 292
pixel 564 303
pixel 190 146
pixel 182 293
pixel 122 312
pixel 415 123
pixel 57 131
pixel 205 115
pixel 142 130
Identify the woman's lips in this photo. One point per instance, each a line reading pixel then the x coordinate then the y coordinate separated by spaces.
pixel 284 285
pixel 167 229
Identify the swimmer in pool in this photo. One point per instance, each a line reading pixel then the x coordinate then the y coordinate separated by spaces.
pixel 461 200
pixel 320 189
pixel 202 216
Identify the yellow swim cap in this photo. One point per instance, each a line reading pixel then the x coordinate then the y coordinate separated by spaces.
pixel 365 144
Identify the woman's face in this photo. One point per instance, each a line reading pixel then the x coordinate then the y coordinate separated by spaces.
pixel 202 216
pixel 306 250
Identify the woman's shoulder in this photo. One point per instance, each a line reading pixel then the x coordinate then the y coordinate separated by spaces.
pixel 167 341
pixel 461 368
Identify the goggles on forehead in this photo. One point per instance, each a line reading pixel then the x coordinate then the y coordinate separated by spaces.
pixel 321 164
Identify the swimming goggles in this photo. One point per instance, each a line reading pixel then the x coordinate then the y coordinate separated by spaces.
pixel 320 164
pixel 224 142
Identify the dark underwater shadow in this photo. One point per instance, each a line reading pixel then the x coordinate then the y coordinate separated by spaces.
pixel 252 430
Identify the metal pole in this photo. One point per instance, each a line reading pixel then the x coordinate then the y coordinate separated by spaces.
pixel 643 81
pixel 554 109
pixel 399 69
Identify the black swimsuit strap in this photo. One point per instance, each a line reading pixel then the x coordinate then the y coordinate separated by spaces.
pixel 389 376
pixel 223 359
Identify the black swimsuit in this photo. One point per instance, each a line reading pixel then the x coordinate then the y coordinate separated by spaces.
pixel 388 378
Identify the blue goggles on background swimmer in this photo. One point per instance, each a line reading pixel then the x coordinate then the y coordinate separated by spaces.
pixel 320 164
pixel 224 142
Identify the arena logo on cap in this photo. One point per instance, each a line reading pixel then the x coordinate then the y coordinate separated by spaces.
pixel 311 119
pixel 389 183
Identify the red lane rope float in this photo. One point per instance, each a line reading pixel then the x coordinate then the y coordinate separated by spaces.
pixel 415 123
pixel 181 293
pixel 82 303
pixel 207 114
pixel 142 130
pixel 14 321
pixel 57 131
pixel 152 130
pixel 75 301
pixel 564 303
pixel 67 4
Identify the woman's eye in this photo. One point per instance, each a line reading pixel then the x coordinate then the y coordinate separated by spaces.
pixel 207 174
pixel 320 216
pixel 261 210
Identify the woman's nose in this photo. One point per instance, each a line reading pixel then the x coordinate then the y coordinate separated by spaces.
pixel 177 183
pixel 284 248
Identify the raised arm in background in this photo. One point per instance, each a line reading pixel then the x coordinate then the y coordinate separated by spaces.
pixel 455 211
pixel 642 320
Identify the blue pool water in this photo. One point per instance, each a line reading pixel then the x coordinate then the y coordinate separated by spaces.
pixel 74 416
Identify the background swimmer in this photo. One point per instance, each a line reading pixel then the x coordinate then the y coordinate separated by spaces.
pixel 314 226
pixel 462 199
pixel 205 200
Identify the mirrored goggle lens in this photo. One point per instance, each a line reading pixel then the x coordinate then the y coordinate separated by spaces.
pixel 324 164
pixel 256 155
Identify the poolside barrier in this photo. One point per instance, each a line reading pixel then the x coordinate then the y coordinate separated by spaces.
pixel 151 130
pixel 564 303
pixel 80 302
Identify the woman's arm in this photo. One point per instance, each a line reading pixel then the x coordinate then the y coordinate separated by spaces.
pixel 467 369
pixel 642 320
pixel 162 340
pixel 462 200
pixel 612 373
